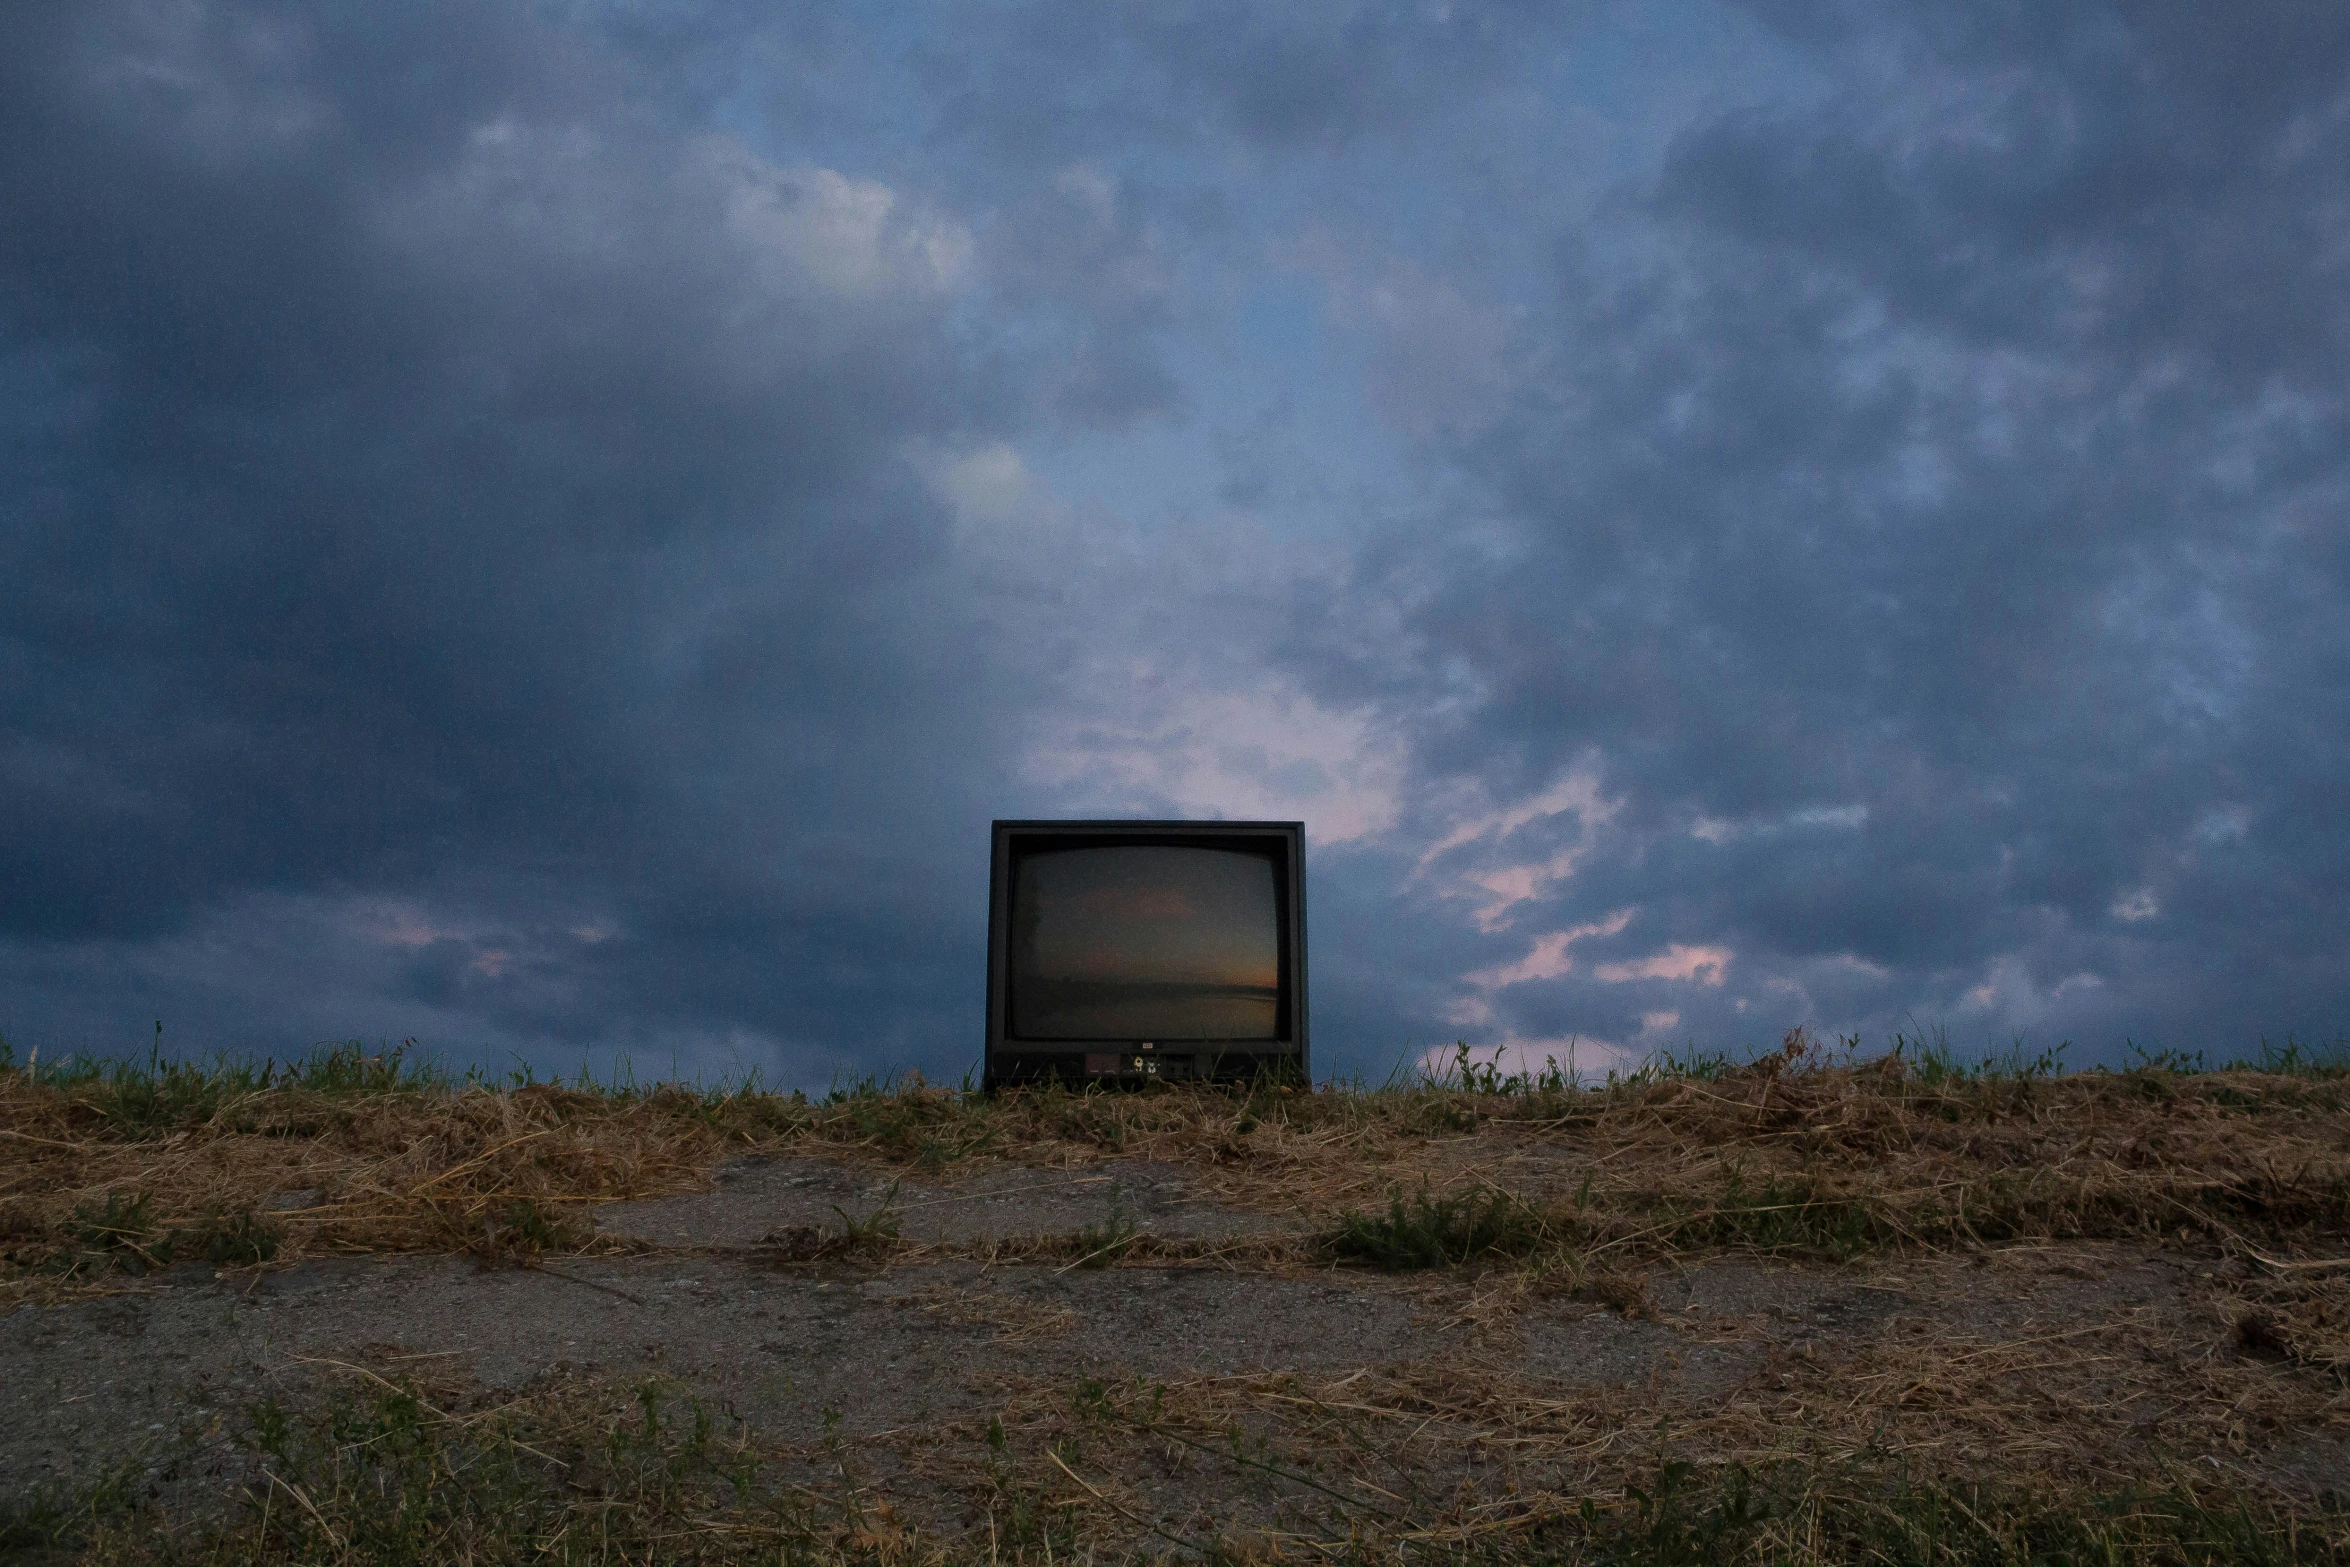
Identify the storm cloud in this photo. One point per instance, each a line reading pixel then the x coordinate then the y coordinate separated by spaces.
pixel 551 530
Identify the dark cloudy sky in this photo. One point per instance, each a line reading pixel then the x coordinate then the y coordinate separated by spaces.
pixel 552 528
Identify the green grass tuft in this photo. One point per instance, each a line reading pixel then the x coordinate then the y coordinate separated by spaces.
pixel 1103 1245
pixel 226 1238
pixel 1434 1232
pixel 1793 1214
pixel 124 1233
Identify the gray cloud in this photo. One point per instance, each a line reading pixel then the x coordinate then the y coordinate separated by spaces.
pixel 552 533
pixel 1961 448
pixel 480 487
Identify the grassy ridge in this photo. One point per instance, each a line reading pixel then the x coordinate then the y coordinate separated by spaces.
pixel 1515 1187
pixel 1795 1154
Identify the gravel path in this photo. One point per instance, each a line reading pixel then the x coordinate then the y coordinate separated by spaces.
pixel 162 1374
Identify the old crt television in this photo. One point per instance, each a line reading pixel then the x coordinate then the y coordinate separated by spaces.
pixel 1127 951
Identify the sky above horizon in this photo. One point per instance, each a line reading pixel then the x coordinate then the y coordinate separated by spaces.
pixel 551 529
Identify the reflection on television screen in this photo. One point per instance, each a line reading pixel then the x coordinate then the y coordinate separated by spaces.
pixel 1145 942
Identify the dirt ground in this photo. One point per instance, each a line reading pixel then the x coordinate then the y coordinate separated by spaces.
pixel 2101 1359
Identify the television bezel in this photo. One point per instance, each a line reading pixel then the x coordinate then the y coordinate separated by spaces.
pixel 1013 1059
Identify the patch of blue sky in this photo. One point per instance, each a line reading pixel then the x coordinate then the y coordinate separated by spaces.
pixel 1274 425
pixel 1656 66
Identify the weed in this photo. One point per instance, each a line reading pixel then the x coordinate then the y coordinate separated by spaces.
pixel 1091 1401
pixel 159 1096
pixel 1783 1215
pixel 122 1233
pixel 35 1522
pixel 226 1238
pixel 122 1224
pixel 2296 1059
pixel 1431 1232
pixel 525 1230
pixel 1661 1525
pixel 875 1231
pixel 44 1522
pixel 1102 1245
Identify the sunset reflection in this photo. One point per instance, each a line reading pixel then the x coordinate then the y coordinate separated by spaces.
pixel 1144 942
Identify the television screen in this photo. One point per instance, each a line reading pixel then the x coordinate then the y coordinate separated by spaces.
pixel 1145 941
pixel 1145 949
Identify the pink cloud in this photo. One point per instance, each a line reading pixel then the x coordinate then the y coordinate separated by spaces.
pixel 1577 792
pixel 400 925
pixel 1518 884
pixel 1549 958
pixel 1502 888
pixel 1702 965
pixel 1470 1012
pixel 1267 752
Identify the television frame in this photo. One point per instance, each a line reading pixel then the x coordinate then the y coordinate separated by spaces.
pixel 1011 1059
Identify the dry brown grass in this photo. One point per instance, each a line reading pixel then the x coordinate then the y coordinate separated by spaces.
pixel 2190 1405
pixel 1788 1155
pixel 1380 1464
